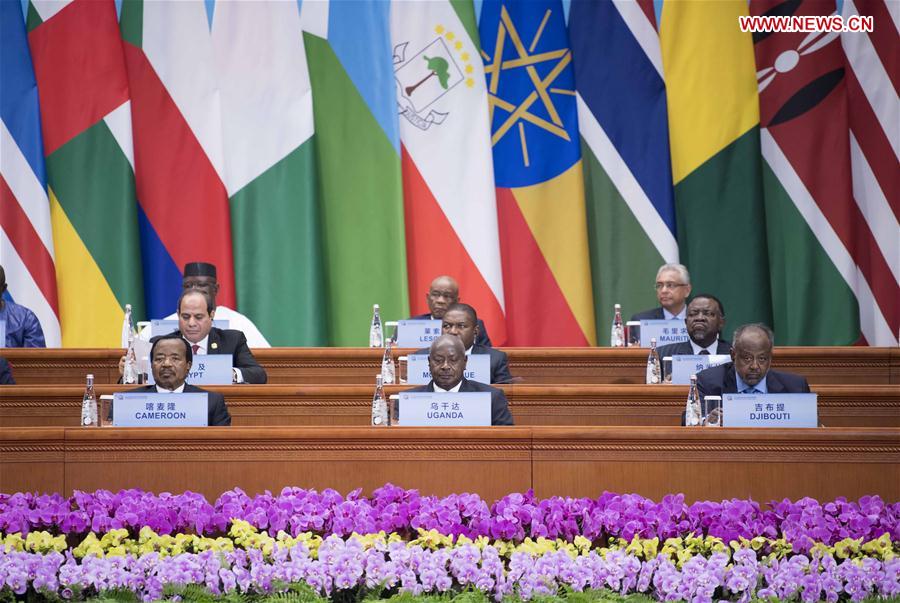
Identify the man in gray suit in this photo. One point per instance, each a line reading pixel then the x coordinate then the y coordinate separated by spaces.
pixel 673 286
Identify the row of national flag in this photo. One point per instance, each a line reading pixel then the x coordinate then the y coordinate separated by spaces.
pixel 550 155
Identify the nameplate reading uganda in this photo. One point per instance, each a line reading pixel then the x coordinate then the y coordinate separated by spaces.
pixel 665 332
pixel 132 409
pixel 450 409
pixel 417 333
pixel 478 368
pixel 208 369
pixel 770 410
pixel 685 365
pixel 164 326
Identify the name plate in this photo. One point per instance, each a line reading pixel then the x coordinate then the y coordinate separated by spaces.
pixel 450 409
pixel 685 365
pixel 208 369
pixel 131 409
pixel 2 333
pixel 164 326
pixel 417 333
pixel 665 332
pixel 770 410
pixel 478 368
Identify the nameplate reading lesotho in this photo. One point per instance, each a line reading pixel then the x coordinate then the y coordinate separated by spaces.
pixel 208 369
pixel 685 365
pixel 132 409
pixel 478 368
pixel 770 410
pixel 439 409
pixel 417 333
pixel 665 332
pixel 164 326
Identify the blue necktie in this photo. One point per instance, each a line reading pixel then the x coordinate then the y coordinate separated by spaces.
pixel 751 390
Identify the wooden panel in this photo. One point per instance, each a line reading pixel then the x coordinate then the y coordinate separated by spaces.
pixel 821 365
pixel 32 460
pixel 718 463
pixel 712 463
pixel 213 460
pixel 348 405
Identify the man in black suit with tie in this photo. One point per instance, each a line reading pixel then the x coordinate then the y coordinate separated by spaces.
pixel 673 286
pixel 462 321
pixel 749 371
pixel 447 361
pixel 196 310
pixel 443 292
pixel 170 359
pixel 705 319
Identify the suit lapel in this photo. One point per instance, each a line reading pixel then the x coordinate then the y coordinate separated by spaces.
pixel 729 385
pixel 774 384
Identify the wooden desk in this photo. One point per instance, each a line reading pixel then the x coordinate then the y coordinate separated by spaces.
pixel 652 461
pixel 346 405
pixel 349 366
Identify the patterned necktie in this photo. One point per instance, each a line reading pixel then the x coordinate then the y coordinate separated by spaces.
pixel 195 347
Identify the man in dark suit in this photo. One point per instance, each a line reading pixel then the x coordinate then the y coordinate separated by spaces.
pixel 170 359
pixel 705 319
pixel 6 377
pixel 447 361
pixel 749 371
pixel 673 286
pixel 462 321
pixel 196 310
pixel 443 292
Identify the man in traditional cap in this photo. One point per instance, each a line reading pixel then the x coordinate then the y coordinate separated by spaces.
pixel 202 276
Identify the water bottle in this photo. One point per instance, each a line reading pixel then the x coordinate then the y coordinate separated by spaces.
pixel 376 332
pixel 654 369
pixel 380 417
pixel 617 332
pixel 130 372
pixel 89 405
pixel 387 364
pixel 692 406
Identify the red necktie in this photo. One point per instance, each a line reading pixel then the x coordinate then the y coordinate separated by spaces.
pixel 195 347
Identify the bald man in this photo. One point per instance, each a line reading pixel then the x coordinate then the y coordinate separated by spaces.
pixel 447 362
pixel 443 292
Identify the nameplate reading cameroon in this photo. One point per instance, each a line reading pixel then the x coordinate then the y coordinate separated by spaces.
pixel 132 409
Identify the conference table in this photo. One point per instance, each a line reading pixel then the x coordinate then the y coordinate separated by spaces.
pixel 357 366
pixel 350 405
pixel 701 463
pixel 585 423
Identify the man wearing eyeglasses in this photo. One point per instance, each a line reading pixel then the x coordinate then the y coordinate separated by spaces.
pixel 705 319
pixel 673 286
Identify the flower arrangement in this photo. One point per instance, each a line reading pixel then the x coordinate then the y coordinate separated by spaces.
pixel 399 541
